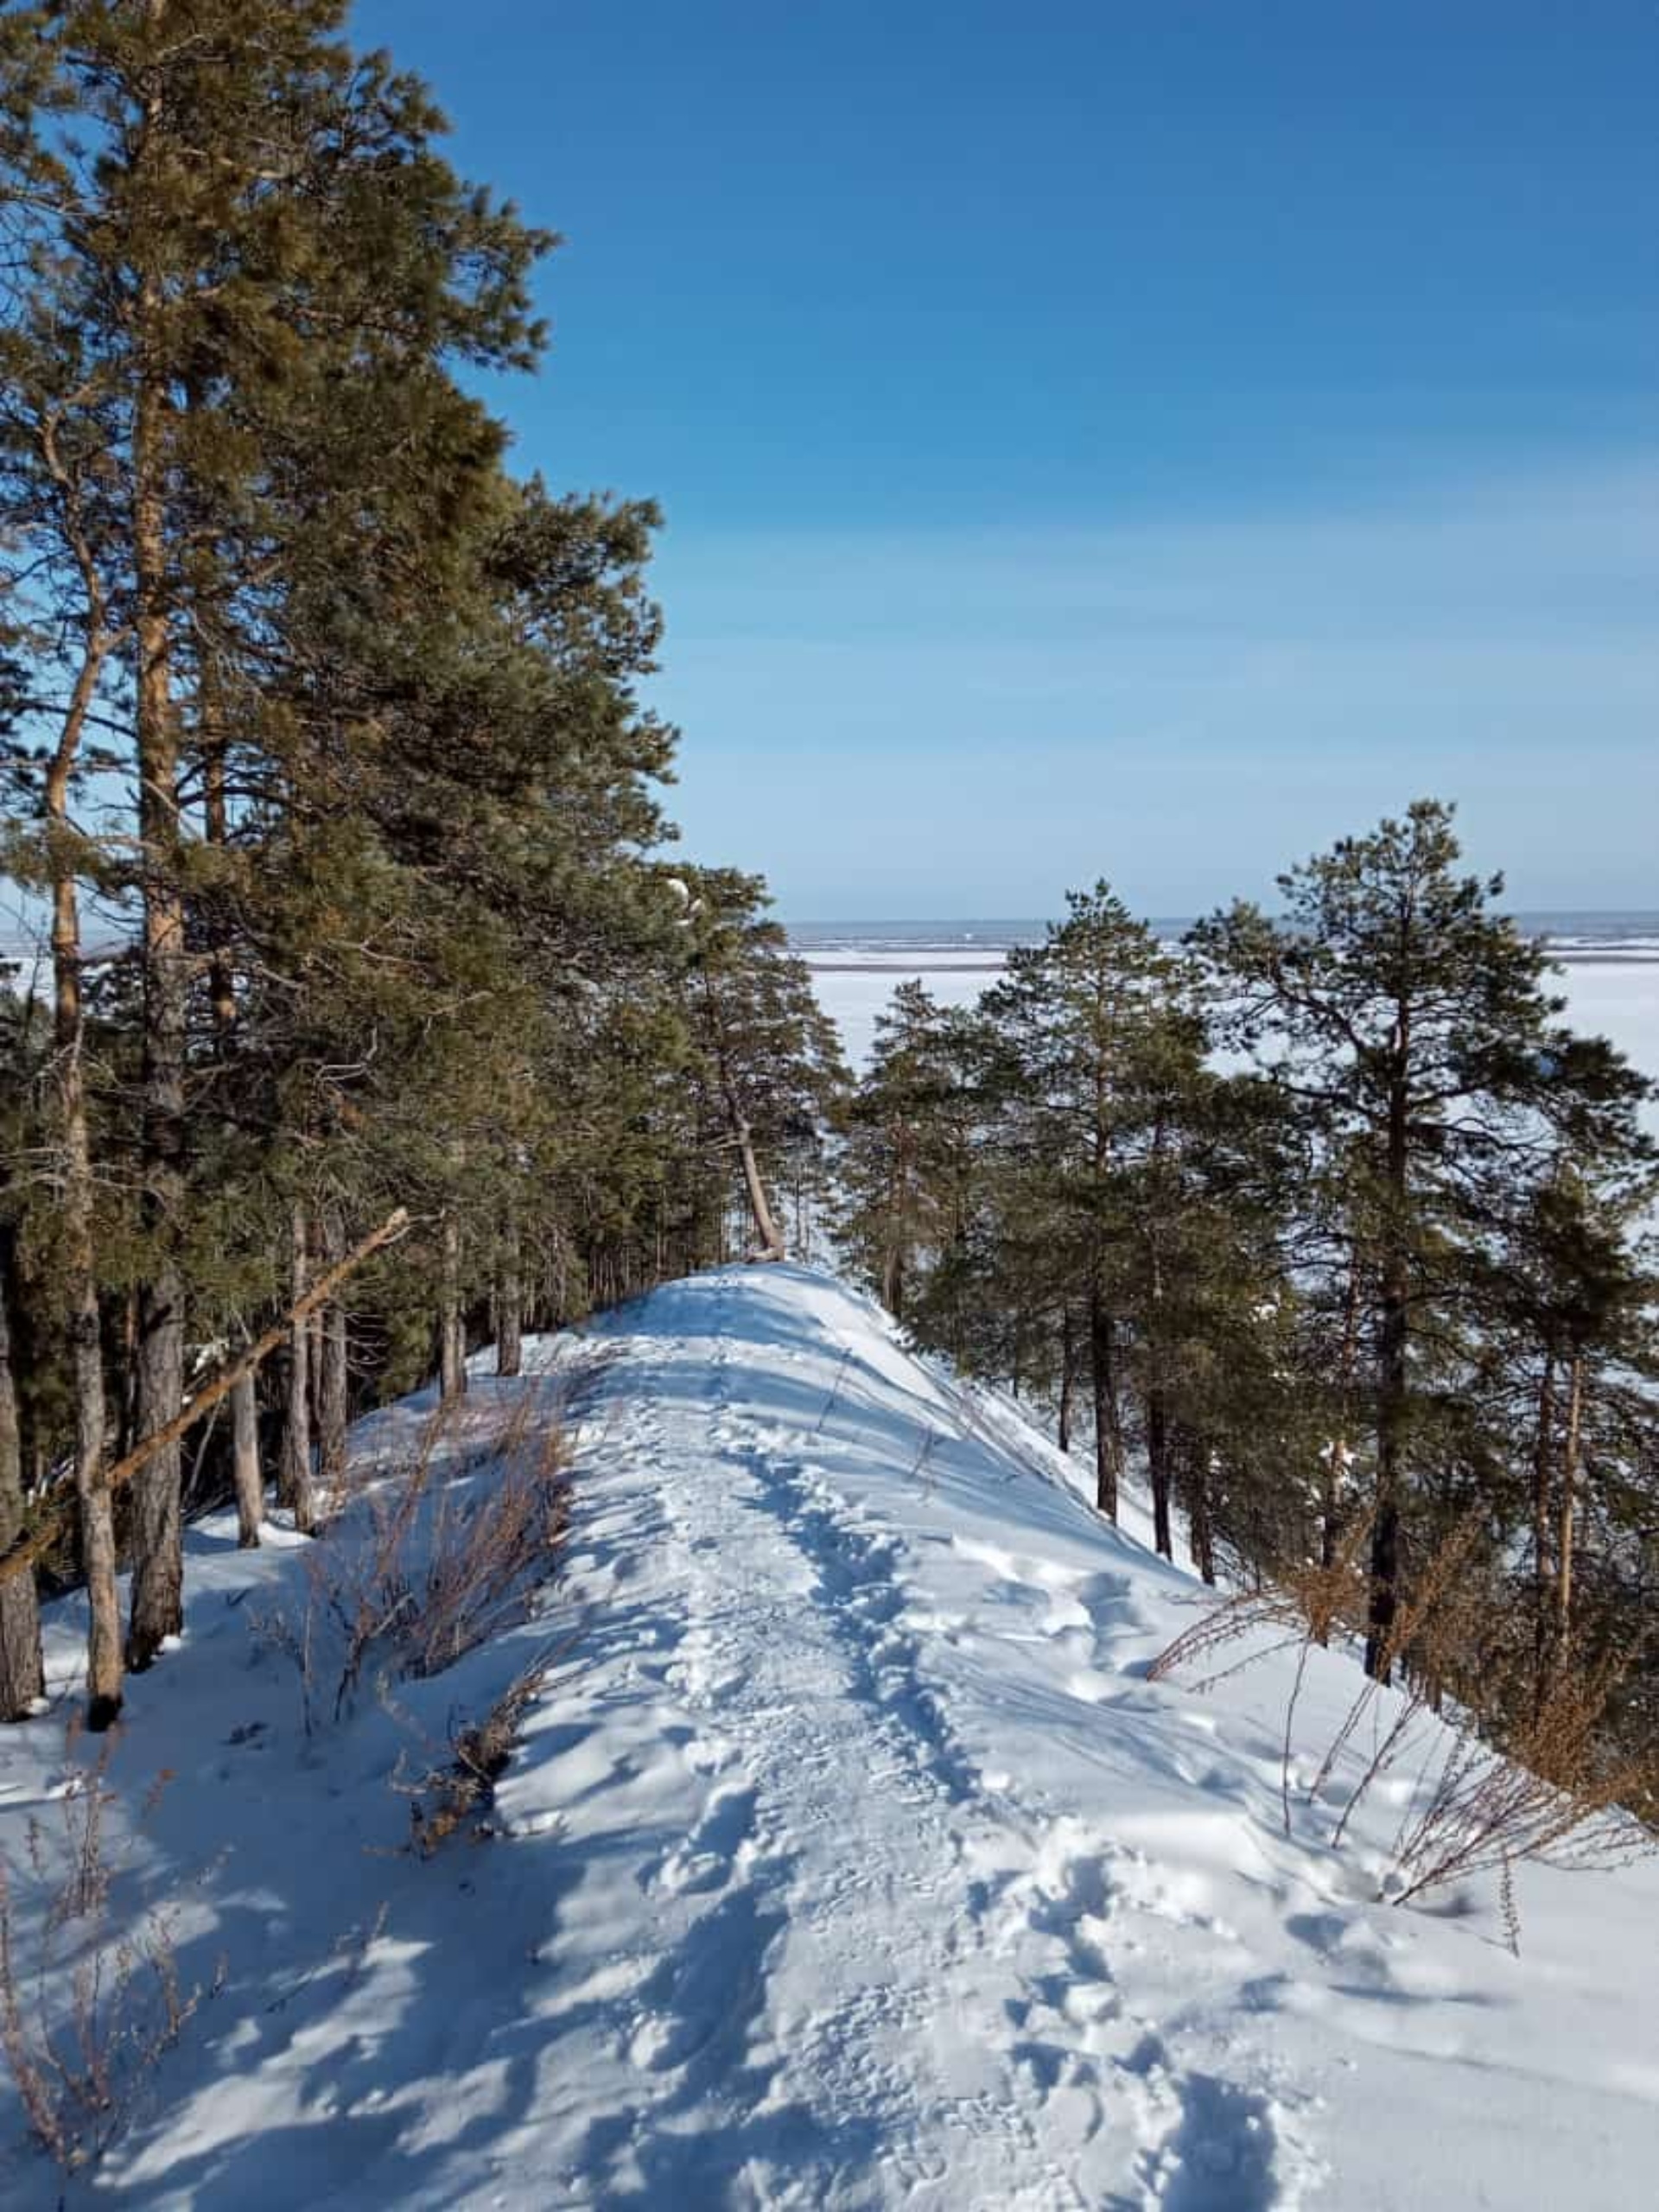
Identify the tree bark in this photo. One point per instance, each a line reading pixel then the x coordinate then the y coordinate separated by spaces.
pixel 244 1452
pixel 22 1673
pixel 103 1669
pixel 1330 1502
pixel 1158 1466
pixel 1068 1379
pixel 1158 1445
pixel 336 1427
pixel 246 1475
pixel 296 1481
pixel 158 1530
pixel 452 1341
pixel 1200 1525
pixel 1543 1488
pixel 221 979
pixel 769 1243
pixel 1571 1457
pixel 213 1393
pixel 332 1347
pixel 509 1303
pixel 1109 1436
pixel 1392 1376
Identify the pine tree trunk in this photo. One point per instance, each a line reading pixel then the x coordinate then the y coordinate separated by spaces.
pixel 1571 1458
pixel 893 1269
pixel 221 982
pixel 769 1243
pixel 452 1343
pixel 314 1362
pixel 76 1196
pixel 1330 1504
pixel 247 1476
pixel 1102 1351
pixel 103 1669
pixel 1068 1379
pixel 1393 1382
pixel 22 1674
pixel 97 1507
pixel 509 1304
pixel 1158 1467
pixel 1543 1487
pixel 1108 1438
pixel 1200 1526
pixel 334 1381
pixel 245 1457
pixel 294 1481
pixel 157 1519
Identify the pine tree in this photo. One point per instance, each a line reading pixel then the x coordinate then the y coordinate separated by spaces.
pixel 1083 1024
pixel 1408 1024
pixel 22 1677
pixel 897 1168
pixel 766 1059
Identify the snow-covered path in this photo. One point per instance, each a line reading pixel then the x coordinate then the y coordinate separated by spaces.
pixel 882 1985
pixel 837 1992
pixel 848 1861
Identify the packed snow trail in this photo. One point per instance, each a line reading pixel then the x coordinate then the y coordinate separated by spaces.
pixel 870 1943
pixel 847 1860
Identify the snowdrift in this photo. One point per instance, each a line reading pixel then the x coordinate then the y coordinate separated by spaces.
pixel 848 1858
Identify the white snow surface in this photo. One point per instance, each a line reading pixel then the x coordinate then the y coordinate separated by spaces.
pixel 847 1859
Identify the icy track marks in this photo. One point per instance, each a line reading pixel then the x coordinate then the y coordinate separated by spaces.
pixel 893 1979
pixel 825 1843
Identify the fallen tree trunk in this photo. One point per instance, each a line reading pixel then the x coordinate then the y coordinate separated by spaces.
pixel 29 1548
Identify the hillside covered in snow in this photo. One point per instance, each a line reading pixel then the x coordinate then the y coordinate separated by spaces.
pixel 846 1858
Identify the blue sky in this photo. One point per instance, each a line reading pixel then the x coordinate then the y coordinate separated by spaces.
pixel 1140 439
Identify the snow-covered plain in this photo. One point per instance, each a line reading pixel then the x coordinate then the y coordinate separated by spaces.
pixel 849 1859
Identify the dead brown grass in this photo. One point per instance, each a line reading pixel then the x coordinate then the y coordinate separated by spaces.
pixel 1510 1772
pixel 434 1552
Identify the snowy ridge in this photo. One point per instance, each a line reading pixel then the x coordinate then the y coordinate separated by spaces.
pixel 847 1860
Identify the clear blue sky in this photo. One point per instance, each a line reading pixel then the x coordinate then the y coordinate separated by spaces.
pixel 1136 438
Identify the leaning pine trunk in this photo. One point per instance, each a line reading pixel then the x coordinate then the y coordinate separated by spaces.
pixel 22 1677
pixel 769 1243
pixel 295 1476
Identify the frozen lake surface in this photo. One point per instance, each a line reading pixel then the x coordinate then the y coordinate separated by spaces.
pixel 1609 972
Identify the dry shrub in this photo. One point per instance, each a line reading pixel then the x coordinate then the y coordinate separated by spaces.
pixel 85 2016
pixel 1494 1791
pixel 430 1561
pixel 457 1793
pixel 1546 1794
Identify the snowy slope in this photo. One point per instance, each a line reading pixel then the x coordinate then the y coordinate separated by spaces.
pixel 848 1861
